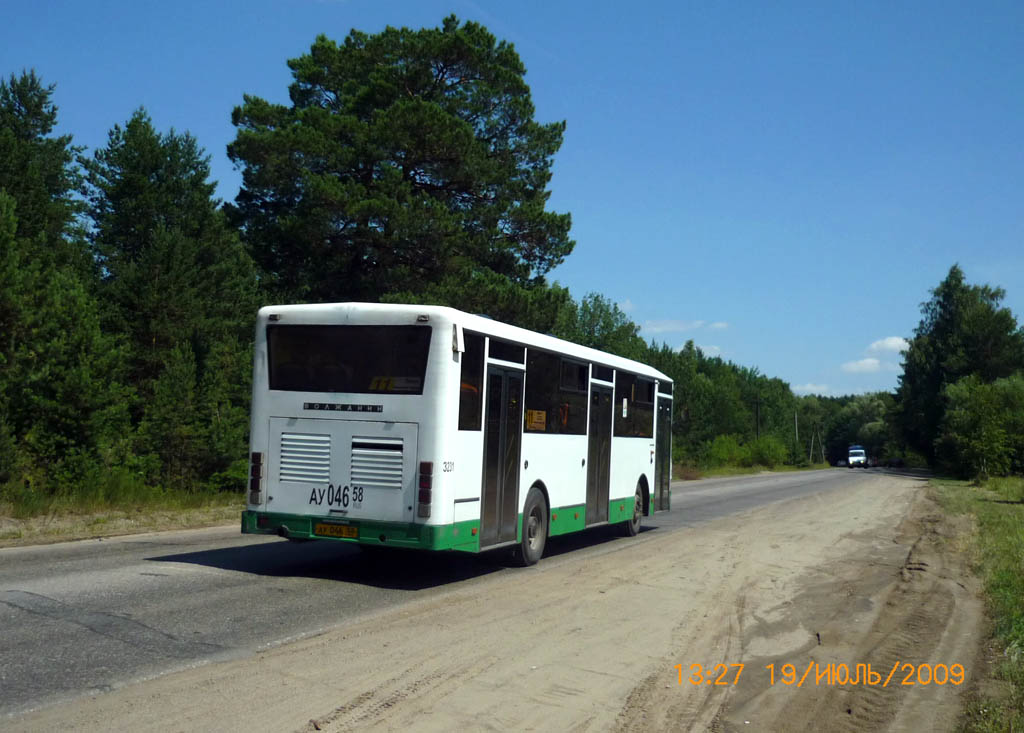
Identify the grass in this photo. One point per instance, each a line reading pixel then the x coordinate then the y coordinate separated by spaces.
pixel 27 517
pixel 688 472
pixel 998 556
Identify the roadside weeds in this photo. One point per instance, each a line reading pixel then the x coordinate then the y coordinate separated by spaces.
pixel 68 525
pixel 996 553
pixel 690 472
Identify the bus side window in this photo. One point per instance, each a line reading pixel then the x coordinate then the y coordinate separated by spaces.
pixel 543 413
pixel 625 392
pixel 556 394
pixel 471 383
pixel 573 394
pixel 643 409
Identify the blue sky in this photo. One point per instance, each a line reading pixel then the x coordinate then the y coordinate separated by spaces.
pixel 781 184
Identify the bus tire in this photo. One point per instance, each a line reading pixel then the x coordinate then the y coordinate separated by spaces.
pixel 633 523
pixel 535 529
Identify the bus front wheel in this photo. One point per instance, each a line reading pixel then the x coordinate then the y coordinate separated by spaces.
pixel 535 529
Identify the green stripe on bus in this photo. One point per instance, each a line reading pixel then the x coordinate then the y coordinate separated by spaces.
pixel 566 519
pixel 620 510
pixel 457 536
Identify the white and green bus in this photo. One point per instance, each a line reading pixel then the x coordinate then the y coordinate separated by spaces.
pixel 426 427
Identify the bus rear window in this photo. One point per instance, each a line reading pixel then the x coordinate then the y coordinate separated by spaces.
pixel 356 359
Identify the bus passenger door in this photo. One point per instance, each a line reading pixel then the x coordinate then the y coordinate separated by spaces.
pixel 599 454
pixel 663 456
pixel 503 428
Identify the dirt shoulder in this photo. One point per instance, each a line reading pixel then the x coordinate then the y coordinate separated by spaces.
pixel 871 575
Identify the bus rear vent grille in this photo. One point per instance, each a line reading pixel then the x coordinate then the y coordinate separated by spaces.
pixel 305 457
pixel 377 463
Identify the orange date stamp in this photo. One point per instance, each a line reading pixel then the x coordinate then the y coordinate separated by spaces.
pixel 903 674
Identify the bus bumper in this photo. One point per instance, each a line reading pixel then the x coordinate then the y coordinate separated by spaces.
pixel 459 536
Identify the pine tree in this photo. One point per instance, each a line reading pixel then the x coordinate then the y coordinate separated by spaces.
pixel 37 170
pixel 406 158
pixel 179 285
pixel 61 397
pixel 964 331
pixel 170 428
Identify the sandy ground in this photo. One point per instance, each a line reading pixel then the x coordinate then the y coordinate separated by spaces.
pixel 873 575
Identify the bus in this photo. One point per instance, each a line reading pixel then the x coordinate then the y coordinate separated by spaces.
pixel 425 427
pixel 856 456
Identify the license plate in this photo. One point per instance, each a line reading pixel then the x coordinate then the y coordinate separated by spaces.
pixel 336 530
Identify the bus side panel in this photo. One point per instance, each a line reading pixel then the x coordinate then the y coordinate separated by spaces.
pixel 631 459
pixel 558 462
pixel 465 479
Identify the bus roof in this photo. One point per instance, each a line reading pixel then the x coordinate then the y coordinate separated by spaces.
pixel 328 313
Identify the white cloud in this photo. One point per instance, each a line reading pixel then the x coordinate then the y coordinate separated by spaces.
pixel 718 325
pixel 862 366
pixel 710 350
pixel 627 306
pixel 671 326
pixel 889 345
pixel 811 388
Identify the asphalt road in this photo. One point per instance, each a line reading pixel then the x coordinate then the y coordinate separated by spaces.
pixel 85 617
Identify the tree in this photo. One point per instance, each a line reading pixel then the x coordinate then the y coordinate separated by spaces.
pixel 982 432
pixel 963 332
pixel 61 394
pixel 223 414
pixel 860 420
pixel 12 285
pixel 598 323
pixel 36 169
pixel 690 392
pixel 172 268
pixel 170 428
pixel 143 181
pixel 536 306
pixel 405 158
pixel 180 286
pixel 723 412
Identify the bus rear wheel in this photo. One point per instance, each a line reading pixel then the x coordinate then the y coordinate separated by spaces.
pixel 633 525
pixel 535 529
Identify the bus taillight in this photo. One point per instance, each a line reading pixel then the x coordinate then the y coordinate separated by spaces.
pixel 255 477
pixel 425 486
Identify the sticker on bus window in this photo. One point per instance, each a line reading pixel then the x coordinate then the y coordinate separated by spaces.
pixel 624 403
pixel 536 420
pixel 395 384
